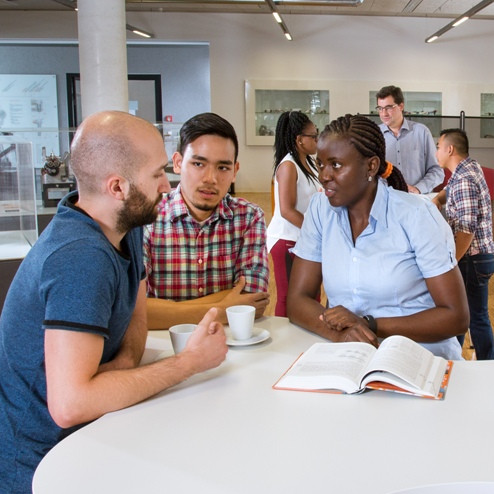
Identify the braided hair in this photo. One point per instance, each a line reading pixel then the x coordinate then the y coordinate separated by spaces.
pixel 290 125
pixel 367 138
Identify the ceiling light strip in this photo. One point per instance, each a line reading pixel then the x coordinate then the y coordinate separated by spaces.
pixel 136 30
pixel 139 31
pixel 279 19
pixel 459 20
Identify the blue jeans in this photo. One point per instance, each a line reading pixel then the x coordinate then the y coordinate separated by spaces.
pixel 476 271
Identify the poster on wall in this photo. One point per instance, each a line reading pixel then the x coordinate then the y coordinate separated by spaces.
pixel 28 108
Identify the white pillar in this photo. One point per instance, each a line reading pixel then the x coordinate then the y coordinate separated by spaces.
pixel 102 55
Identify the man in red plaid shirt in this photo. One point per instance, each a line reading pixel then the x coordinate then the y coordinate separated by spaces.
pixel 206 248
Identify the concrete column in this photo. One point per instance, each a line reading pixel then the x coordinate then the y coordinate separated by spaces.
pixel 102 55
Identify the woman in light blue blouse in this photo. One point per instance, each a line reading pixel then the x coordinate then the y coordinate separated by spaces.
pixel 386 258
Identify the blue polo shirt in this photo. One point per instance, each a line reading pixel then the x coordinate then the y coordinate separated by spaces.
pixel 72 279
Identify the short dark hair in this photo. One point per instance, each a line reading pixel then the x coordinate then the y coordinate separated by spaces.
pixel 458 138
pixel 206 124
pixel 393 91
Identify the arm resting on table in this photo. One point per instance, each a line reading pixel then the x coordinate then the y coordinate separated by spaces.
pixel 449 317
pixel 79 392
pixel 163 314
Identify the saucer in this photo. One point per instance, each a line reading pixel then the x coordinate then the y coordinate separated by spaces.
pixel 258 336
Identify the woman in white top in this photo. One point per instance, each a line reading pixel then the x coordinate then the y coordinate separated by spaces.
pixel 295 181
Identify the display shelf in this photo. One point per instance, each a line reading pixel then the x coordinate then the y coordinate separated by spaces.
pixel 267 100
pixel 13 245
pixel 477 128
pixel 418 103
pixel 480 131
pixel 435 124
pixel 420 106
pixel 487 114
pixel 487 104
pixel 270 104
pixel 18 225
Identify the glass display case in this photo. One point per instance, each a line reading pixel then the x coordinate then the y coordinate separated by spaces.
pixel 435 124
pixel 420 106
pixel 480 131
pixel 487 116
pixel 267 100
pixel 416 103
pixel 18 215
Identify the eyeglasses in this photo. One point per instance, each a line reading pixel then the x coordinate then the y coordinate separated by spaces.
pixel 314 136
pixel 387 108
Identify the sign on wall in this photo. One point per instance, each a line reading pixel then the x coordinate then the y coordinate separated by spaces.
pixel 28 108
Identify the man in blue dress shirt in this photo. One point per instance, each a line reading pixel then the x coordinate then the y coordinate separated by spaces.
pixel 409 145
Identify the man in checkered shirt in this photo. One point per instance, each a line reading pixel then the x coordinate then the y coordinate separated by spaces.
pixel 206 248
pixel 468 210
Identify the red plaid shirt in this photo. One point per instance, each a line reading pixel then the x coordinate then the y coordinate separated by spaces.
pixel 186 259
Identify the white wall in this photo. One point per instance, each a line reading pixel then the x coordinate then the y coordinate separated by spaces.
pixel 354 54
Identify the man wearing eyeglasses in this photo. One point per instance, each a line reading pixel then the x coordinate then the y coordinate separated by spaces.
pixel 409 145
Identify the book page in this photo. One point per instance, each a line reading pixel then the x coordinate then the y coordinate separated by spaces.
pixel 329 366
pixel 412 363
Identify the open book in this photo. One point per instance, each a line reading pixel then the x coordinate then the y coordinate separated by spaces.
pixel 399 364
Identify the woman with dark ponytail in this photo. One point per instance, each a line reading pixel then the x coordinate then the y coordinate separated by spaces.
pixel 295 181
pixel 386 258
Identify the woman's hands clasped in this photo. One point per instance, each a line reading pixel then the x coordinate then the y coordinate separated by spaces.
pixel 347 326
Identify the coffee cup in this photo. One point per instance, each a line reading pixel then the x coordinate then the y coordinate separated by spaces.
pixel 179 334
pixel 241 321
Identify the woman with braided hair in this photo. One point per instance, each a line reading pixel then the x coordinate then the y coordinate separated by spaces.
pixel 295 181
pixel 386 258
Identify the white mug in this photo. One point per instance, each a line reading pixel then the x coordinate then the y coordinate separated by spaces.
pixel 241 321
pixel 179 334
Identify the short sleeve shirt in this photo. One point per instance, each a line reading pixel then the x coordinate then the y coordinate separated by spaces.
pixel 72 279
pixel 383 273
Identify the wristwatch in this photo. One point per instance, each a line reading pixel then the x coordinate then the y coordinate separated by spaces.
pixel 371 322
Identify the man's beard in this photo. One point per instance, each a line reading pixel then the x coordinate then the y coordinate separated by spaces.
pixel 205 207
pixel 137 210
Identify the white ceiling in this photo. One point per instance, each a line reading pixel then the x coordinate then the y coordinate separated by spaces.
pixel 402 8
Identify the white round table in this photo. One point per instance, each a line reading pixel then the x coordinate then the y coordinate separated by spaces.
pixel 228 432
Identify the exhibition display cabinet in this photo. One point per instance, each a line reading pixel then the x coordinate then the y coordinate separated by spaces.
pixel 18 229
pixel 35 174
pixel 416 103
pixel 18 215
pixel 434 123
pixel 487 116
pixel 267 100
pixel 420 106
